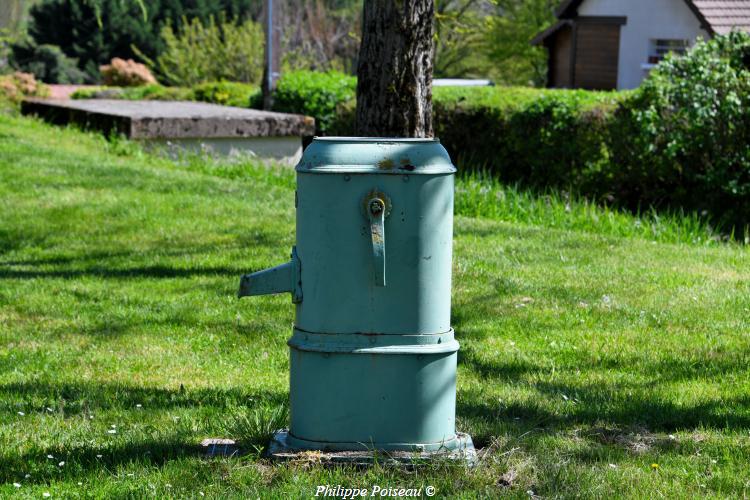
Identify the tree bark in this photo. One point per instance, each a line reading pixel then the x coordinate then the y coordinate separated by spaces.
pixel 394 87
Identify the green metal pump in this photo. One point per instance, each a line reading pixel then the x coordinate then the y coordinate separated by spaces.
pixel 373 355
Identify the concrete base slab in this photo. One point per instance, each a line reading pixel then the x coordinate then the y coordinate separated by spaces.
pixel 280 449
pixel 193 125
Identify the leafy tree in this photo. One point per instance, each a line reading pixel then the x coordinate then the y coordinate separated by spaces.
pixel 491 39
pixel 12 13
pixel 506 44
pixel 459 27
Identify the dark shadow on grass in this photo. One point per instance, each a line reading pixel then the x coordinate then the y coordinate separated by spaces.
pixel 514 368
pixel 88 396
pixel 249 328
pixel 504 368
pixel 96 260
pixel 655 415
pixel 95 263
pixel 128 273
pixel 494 229
pixel 119 254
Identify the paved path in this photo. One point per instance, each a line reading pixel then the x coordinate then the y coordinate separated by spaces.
pixel 58 91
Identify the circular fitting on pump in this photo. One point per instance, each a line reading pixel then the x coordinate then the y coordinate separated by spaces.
pixel 376 202
pixel 376 206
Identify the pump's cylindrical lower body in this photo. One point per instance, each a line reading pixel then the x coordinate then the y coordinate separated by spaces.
pixel 350 401
pixel 373 364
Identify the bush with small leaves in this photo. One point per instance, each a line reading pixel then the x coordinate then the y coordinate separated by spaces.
pixel 323 96
pixel 682 139
pixel 214 51
pixel 16 86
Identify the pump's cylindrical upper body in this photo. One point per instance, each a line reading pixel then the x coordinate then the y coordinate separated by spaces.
pixel 346 287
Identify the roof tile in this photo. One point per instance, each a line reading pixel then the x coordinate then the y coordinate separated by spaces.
pixel 724 15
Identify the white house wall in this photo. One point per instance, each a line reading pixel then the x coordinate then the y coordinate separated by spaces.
pixel 647 20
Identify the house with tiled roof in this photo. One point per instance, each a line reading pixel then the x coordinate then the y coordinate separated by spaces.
pixel 613 44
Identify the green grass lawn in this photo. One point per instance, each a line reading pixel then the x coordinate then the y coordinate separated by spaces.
pixel 602 354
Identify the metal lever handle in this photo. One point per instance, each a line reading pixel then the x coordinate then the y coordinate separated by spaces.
pixel 376 215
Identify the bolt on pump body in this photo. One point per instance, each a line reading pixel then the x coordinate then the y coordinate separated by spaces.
pixel 372 354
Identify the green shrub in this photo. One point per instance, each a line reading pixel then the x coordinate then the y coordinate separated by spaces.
pixel 46 62
pixel 213 51
pixel 154 92
pixel 324 96
pixel 94 93
pixel 682 139
pixel 94 35
pixel 6 39
pixel 241 95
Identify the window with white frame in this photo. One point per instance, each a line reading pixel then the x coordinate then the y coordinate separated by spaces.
pixel 660 47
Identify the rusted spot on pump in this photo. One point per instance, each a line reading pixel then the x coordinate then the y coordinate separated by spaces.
pixel 386 164
pixel 406 165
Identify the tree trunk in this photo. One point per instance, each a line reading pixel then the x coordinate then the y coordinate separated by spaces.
pixel 394 88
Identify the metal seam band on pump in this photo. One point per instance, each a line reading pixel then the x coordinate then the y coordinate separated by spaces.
pixel 361 343
pixel 368 169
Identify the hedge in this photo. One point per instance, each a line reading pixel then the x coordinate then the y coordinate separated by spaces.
pixel 683 138
pixel 540 138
